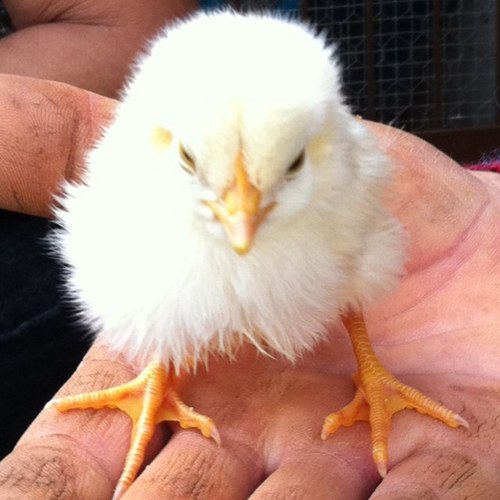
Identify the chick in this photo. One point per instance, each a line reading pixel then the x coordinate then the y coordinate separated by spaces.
pixel 233 199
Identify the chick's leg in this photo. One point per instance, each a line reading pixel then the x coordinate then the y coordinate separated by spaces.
pixel 148 399
pixel 379 395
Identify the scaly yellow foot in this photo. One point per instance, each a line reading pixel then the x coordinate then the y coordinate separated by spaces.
pixel 379 395
pixel 148 399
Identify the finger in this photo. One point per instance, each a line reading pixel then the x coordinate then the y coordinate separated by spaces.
pixel 434 461
pixel 79 452
pixel 314 480
pixel 45 130
pixel 440 473
pixel 191 466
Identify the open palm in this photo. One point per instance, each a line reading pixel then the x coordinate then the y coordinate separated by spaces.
pixel 438 332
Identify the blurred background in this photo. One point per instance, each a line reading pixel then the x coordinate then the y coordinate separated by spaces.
pixel 431 67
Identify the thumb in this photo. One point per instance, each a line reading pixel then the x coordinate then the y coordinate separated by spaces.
pixel 434 198
pixel 45 130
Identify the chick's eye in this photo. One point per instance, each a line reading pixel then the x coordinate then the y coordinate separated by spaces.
pixel 186 160
pixel 296 165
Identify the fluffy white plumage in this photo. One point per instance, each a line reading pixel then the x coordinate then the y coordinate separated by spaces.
pixel 150 266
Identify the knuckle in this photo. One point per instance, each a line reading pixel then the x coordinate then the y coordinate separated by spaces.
pixel 458 475
pixel 196 474
pixel 35 473
pixel 192 477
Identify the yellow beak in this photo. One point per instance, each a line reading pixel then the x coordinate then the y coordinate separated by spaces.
pixel 239 210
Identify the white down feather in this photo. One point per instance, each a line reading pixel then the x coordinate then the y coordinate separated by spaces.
pixel 153 272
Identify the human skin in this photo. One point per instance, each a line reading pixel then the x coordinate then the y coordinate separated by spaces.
pixel 89 43
pixel 437 332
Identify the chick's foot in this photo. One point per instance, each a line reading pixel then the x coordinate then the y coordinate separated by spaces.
pixel 379 395
pixel 148 399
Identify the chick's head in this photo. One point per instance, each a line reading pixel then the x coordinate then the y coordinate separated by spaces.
pixel 240 111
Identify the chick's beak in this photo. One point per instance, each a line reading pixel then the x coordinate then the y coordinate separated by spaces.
pixel 239 210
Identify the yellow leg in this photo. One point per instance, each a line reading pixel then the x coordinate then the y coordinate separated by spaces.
pixel 148 399
pixel 379 395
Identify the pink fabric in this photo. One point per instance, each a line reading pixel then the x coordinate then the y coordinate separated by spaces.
pixel 493 166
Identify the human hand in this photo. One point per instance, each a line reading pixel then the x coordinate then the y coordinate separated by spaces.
pixel 437 333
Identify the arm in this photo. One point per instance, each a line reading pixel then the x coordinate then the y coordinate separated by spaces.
pixel 87 44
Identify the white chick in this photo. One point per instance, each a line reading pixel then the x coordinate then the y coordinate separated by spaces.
pixel 150 264
pixel 234 198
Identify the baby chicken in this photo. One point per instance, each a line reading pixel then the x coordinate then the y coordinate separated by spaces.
pixel 234 199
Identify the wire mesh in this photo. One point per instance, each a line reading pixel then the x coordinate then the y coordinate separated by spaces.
pixel 419 64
